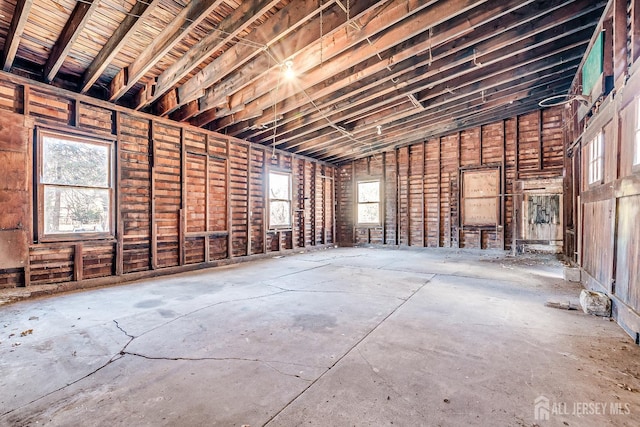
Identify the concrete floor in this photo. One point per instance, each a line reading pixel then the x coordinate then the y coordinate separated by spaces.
pixel 345 337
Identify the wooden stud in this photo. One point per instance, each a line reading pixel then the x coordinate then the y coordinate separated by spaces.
pixel 517 148
pixel 26 100
pixel 228 197
pixel 334 206
pixel 383 202
pixel 152 191
pixel 540 142
pixel 78 266
pixel 503 186
pixel 265 191
pixel 249 211
pixel 422 195
pixel 354 208
pixel 397 176
pixel 481 147
pixel 459 160
pixel 314 202
pixel 182 226
pixel 408 196
pixel 439 208
pixel 119 200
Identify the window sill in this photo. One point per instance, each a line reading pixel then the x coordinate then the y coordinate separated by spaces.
pixel 76 238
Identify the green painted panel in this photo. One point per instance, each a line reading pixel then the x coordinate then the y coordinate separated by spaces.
pixel 593 66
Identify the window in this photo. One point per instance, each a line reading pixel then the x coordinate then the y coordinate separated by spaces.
pixel 636 150
pixel 279 200
pixel 595 159
pixel 369 202
pixel 74 187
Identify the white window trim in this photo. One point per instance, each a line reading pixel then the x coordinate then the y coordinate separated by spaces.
pixel 40 186
pixel 379 202
pixel 595 159
pixel 288 226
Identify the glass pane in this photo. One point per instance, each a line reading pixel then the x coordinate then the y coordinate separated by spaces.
pixel 278 186
pixel 75 210
pixel 74 163
pixel 280 214
pixel 369 213
pixel 368 192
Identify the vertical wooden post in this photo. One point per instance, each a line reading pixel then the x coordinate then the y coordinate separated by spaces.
pixel 207 201
pixel 334 205
pixel 619 41
pixel 540 142
pixel 383 201
pixel 408 195
pixel 26 100
pixel 265 192
pixel 458 164
pixel 314 203
pixel 119 259
pixel 516 153
pixel 423 171
pixel 152 191
pixel 635 31
pixel 503 186
pixel 228 196
pixel 183 200
pixel 323 180
pixel 303 228
pixel 395 151
pixel 439 207
pixel 249 210
pixel 354 208
pixel 77 262
pixel 481 147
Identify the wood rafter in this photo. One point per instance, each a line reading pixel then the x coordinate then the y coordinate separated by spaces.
pixel 72 29
pixel 131 23
pixel 18 21
pixel 192 14
pixel 512 30
pixel 241 18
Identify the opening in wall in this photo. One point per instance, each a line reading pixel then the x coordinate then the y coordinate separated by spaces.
pixel 368 209
pixel 279 200
pixel 74 187
pixel 636 145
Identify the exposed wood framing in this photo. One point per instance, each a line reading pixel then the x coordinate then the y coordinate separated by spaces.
pixel 18 22
pixel 72 29
pixel 140 11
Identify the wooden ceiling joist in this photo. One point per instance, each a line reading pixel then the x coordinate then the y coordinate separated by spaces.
pixel 373 79
pixel 416 22
pixel 188 18
pixel 237 59
pixel 72 29
pixel 241 18
pixel 18 22
pixel 127 28
pixel 442 82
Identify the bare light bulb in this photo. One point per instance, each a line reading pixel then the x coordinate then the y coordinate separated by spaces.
pixel 288 70
pixel 379 129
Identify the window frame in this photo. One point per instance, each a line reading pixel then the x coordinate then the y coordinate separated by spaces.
pixel 42 235
pixel 358 203
pixel 635 163
pixel 595 160
pixel 289 175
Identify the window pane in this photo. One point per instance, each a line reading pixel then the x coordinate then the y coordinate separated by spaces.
pixel 368 192
pixel 280 214
pixel 75 210
pixel 368 213
pixel 74 163
pixel 278 186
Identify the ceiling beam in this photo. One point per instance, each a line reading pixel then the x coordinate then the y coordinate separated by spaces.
pixel 188 18
pixel 129 25
pixel 489 36
pixel 79 17
pixel 493 64
pixel 18 21
pixel 232 25
pixel 282 23
pixel 415 23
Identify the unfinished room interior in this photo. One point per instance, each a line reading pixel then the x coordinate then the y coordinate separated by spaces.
pixel 320 212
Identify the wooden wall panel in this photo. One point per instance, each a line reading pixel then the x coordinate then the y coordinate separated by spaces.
pixel 238 184
pixel 597 258
pixel 183 195
pixel 135 193
pixel 422 185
